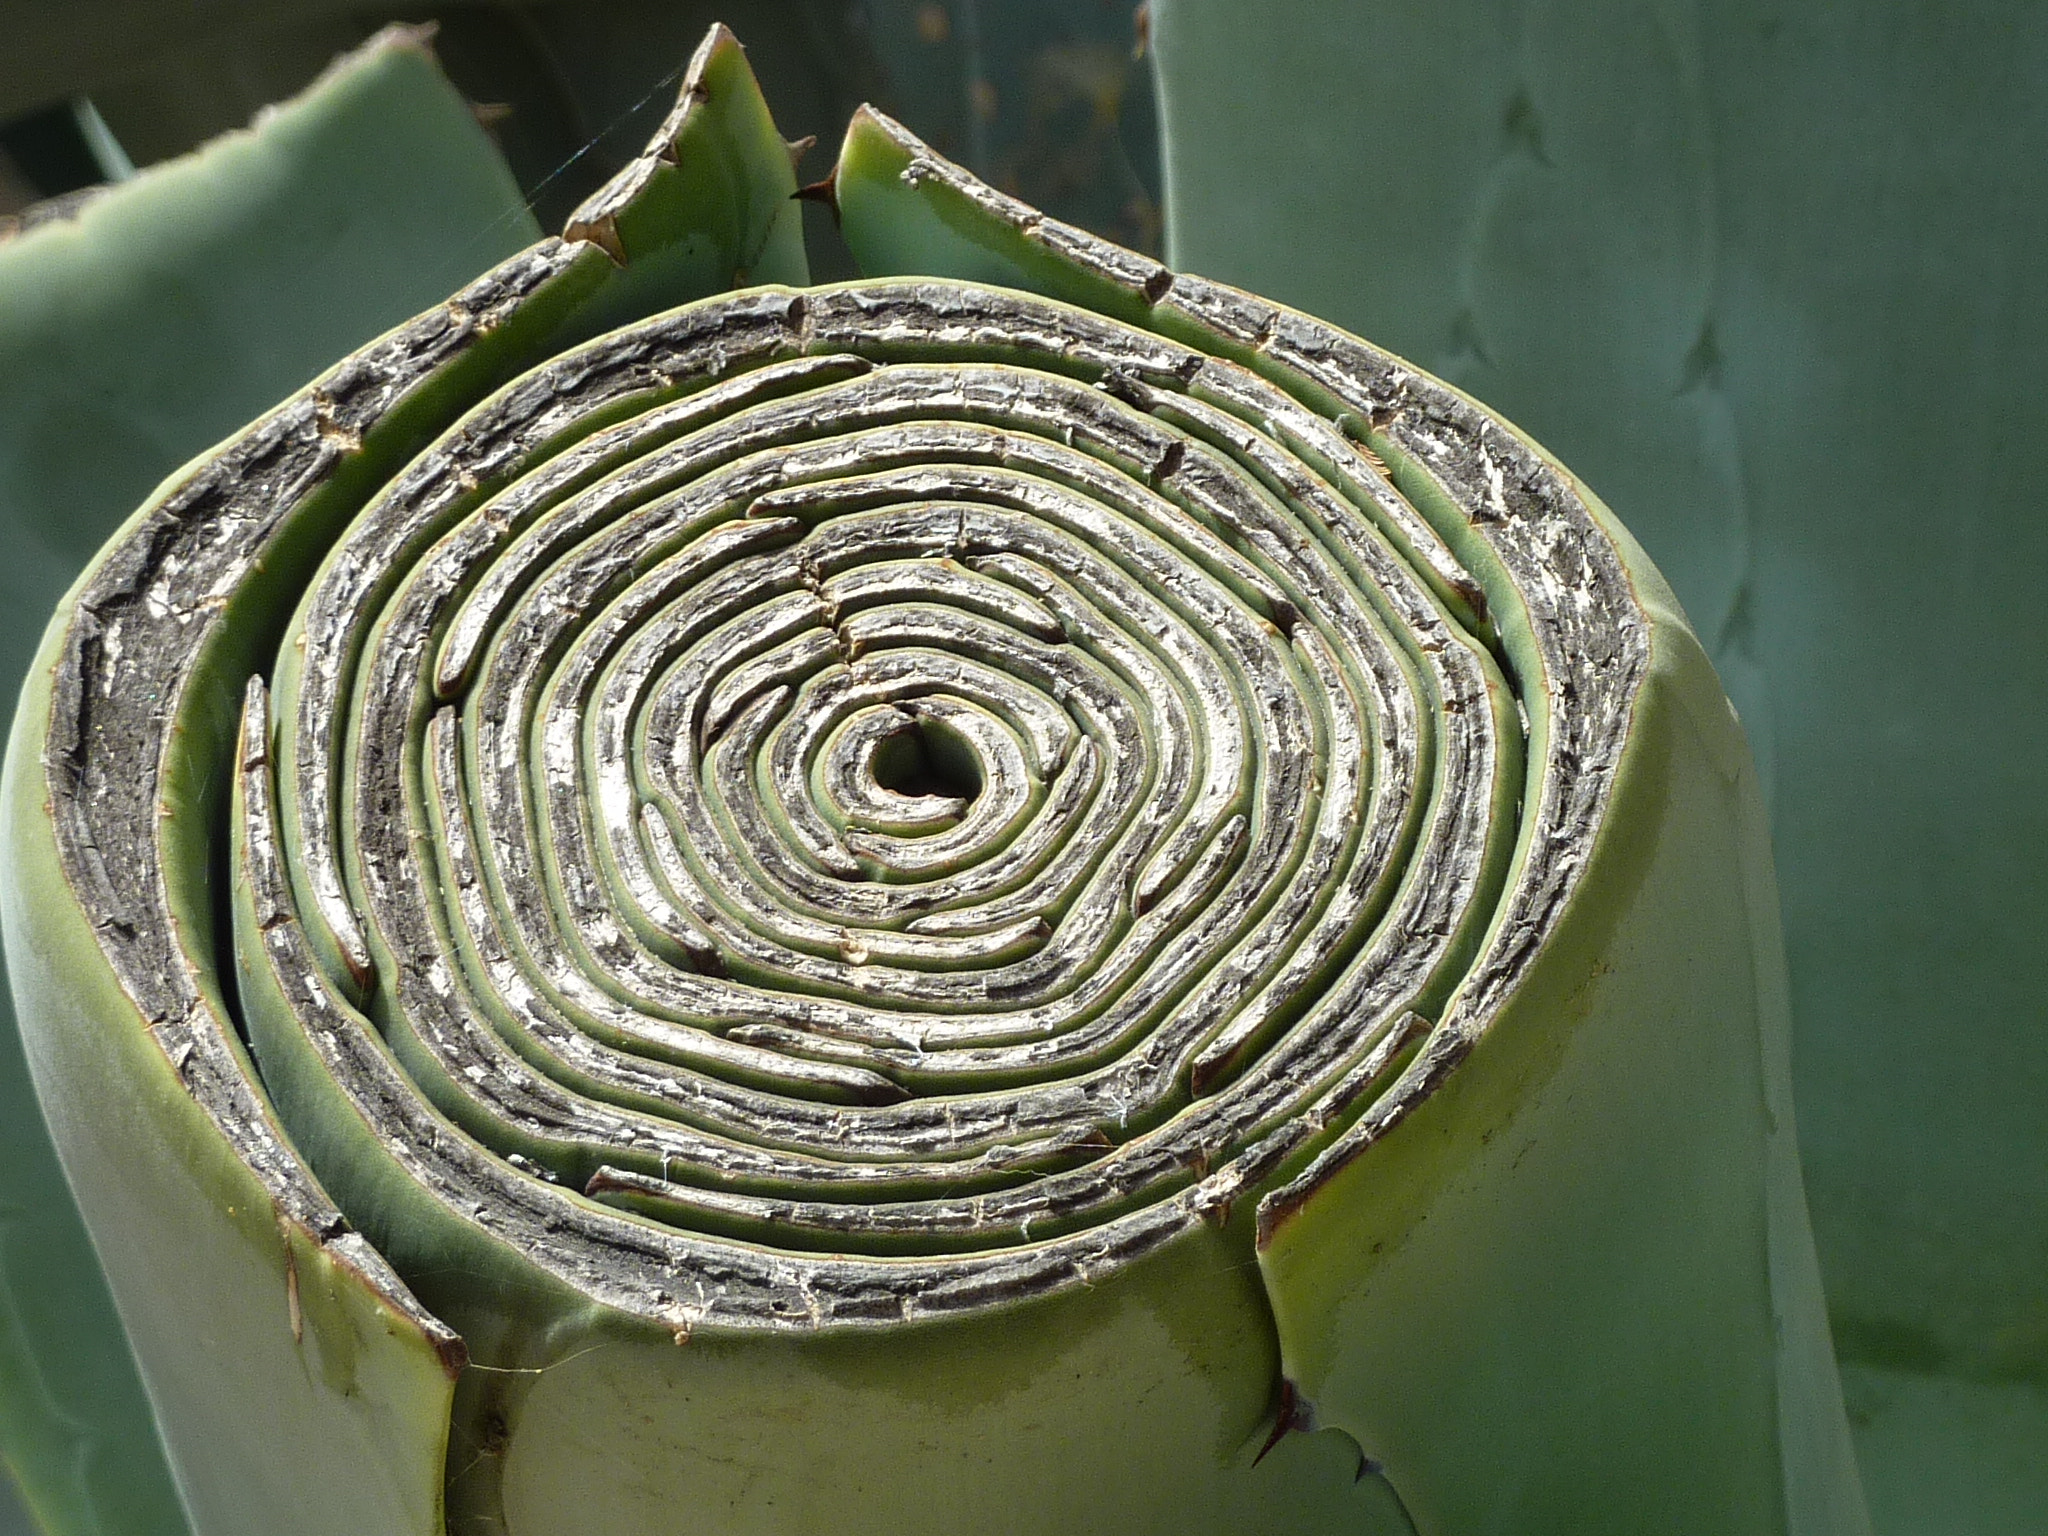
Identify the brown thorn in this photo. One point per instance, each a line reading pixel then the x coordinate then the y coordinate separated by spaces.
pixel 602 232
pixel 1282 1422
pixel 798 148
pixel 1289 1418
pixel 825 191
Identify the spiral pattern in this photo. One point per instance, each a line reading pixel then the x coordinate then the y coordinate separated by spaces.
pixel 831 807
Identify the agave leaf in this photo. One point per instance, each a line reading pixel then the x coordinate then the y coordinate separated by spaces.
pixel 912 904
pixel 1351 1332
pixel 131 336
pixel 1718 256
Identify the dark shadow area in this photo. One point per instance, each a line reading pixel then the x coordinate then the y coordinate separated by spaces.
pixel 1051 102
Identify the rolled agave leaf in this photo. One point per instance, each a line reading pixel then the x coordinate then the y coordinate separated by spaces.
pixel 974 899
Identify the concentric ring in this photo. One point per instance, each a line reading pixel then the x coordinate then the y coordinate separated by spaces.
pixel 831 807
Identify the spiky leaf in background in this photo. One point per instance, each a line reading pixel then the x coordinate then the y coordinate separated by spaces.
pixel 1768 275
pixel 1474 1124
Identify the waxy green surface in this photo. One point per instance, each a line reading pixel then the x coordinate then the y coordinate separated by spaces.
pixel 1582 1264
pixel 132 337
pixel 1766 277
pixel 1385 1319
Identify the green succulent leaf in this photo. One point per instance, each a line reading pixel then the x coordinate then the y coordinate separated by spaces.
pixel 1028 893
pixel 1765 277
pixel 133 334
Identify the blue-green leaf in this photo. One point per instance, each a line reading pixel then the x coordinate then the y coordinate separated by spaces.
pixel 163 316
pixel 1769 279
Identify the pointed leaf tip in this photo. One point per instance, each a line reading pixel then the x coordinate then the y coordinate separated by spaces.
pixel 705 205
pixel 718 43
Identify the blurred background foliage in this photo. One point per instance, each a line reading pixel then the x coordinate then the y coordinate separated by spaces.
pixel 1773 277
pixel 1046 99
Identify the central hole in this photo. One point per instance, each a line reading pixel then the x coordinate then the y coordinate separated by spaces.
pixel 928 758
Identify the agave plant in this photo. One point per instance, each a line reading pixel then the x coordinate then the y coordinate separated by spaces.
pixel 1710 253
pixel 1028 892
